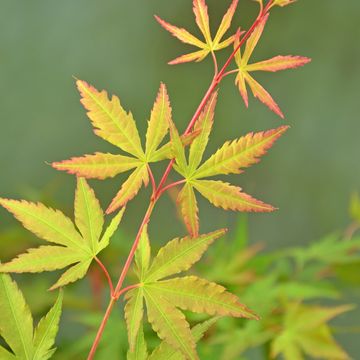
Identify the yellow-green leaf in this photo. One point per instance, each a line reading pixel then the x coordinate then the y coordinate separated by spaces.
pixel 170 324
pixel 189 209
pixel 159 121
pixel 229 197
pixel 180 254
pixel 45 332
pixel 225 23
pixel 142 254
pixel 98 166
pixel 202 18
pixel 166 352
pixel 46 223
pixel 110 120
pixel 203 125
pixel 233 156
pixel 134 310
pixel 89 217
pixel 201 296
pixel 16 323
pixel 140 351
pixel 177 148
pixel 130 188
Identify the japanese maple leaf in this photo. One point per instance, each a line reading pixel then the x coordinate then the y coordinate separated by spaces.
pixel 17 325
pixel 274 64
pixel 72 247
pixel 113 124
pixel 305 330
pixel 209 44
pixel 164 298
pixel 231 158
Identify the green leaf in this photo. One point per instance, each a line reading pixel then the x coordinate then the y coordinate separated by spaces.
pixel 305 330
pixel 16 325
pixel 180 254
pixel 45 333
pixel 53 226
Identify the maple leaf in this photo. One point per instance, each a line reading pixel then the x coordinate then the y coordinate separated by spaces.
pixel 17 329
pixel 274 64
pixel 231 158
pixel 165 298
pixel 209 45
pixel 72 247
pixel 305 330
pixel 112 123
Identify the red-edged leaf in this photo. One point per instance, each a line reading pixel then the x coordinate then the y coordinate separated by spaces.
pixel 129 188
pixel 110 120
pixel 225 22
pixel 260 93
pixel 194 56
pixel 229 197
pixel 180 33
pixel 278 63
pixel 189 209
pixel 97 166
pixel 202 18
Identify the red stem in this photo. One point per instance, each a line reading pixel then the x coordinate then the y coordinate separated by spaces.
pixel 107 275
pixel 216 80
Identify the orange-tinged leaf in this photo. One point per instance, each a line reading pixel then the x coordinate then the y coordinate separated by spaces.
pixel 225 22
pixel 180 33
pixel 253 39
pixel 229 197
pixel 110 120
pixel 278 63
pixel 129 188
pixel 240 83
pixel 233 156
pixel 260 93
pixel 98 166
pixel 201 296
pixel 158 124
pixel 204 125
pixel 180 254
pixel 89 217
pixel 177 148
pixel 170 324
pixel 202 18
pixel 227 42
pixel 194 56
pixel 189 209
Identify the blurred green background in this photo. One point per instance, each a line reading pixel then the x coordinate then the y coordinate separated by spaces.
pixel 117 45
